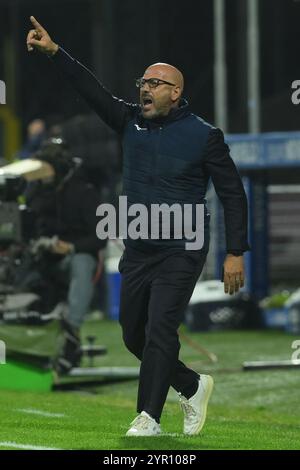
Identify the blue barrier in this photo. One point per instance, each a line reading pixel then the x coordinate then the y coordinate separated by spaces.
pixel 266 150
pixel 114 286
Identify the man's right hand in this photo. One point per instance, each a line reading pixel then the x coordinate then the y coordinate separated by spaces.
pixel 39 39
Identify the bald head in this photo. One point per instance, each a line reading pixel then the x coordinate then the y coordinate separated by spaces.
pixel 166 72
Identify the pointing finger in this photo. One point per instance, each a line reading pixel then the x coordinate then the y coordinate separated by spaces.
pixel 37 25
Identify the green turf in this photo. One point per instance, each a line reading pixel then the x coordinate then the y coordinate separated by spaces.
pixel 248 410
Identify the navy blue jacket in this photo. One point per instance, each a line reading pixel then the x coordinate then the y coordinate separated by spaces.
pixel 167 160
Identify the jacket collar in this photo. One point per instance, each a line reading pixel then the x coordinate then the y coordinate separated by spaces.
pixel 174 115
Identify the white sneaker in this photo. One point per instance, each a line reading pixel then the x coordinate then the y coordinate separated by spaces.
pixel 144 425
pixel 195 408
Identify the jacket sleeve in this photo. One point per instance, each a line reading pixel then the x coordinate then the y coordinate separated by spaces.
pixel 114 112
pixel 229 187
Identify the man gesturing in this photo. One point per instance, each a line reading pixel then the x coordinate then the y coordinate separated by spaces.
pixel 169 156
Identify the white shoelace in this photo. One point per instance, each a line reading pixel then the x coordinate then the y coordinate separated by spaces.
pixel 188 410
pixel 142 422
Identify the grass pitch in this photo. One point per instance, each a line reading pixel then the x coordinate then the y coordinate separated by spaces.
pixel 248 410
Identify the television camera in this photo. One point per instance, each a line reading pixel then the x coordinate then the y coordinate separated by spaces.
pixel 20 248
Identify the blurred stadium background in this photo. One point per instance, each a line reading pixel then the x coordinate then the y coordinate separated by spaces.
pixel 239 59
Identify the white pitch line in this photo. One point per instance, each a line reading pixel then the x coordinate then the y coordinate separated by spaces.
pixel 46 414
pixel 15 445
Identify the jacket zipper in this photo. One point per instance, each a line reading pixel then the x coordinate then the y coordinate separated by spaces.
pixel 156 156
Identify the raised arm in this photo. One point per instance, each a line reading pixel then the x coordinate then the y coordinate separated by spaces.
pixel 114 112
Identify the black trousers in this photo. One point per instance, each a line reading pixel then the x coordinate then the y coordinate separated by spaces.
pixel 155 291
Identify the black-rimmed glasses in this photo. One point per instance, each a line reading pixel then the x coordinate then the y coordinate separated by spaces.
pixel 152 82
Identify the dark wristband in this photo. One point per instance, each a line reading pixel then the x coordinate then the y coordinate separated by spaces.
pixel 235 252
